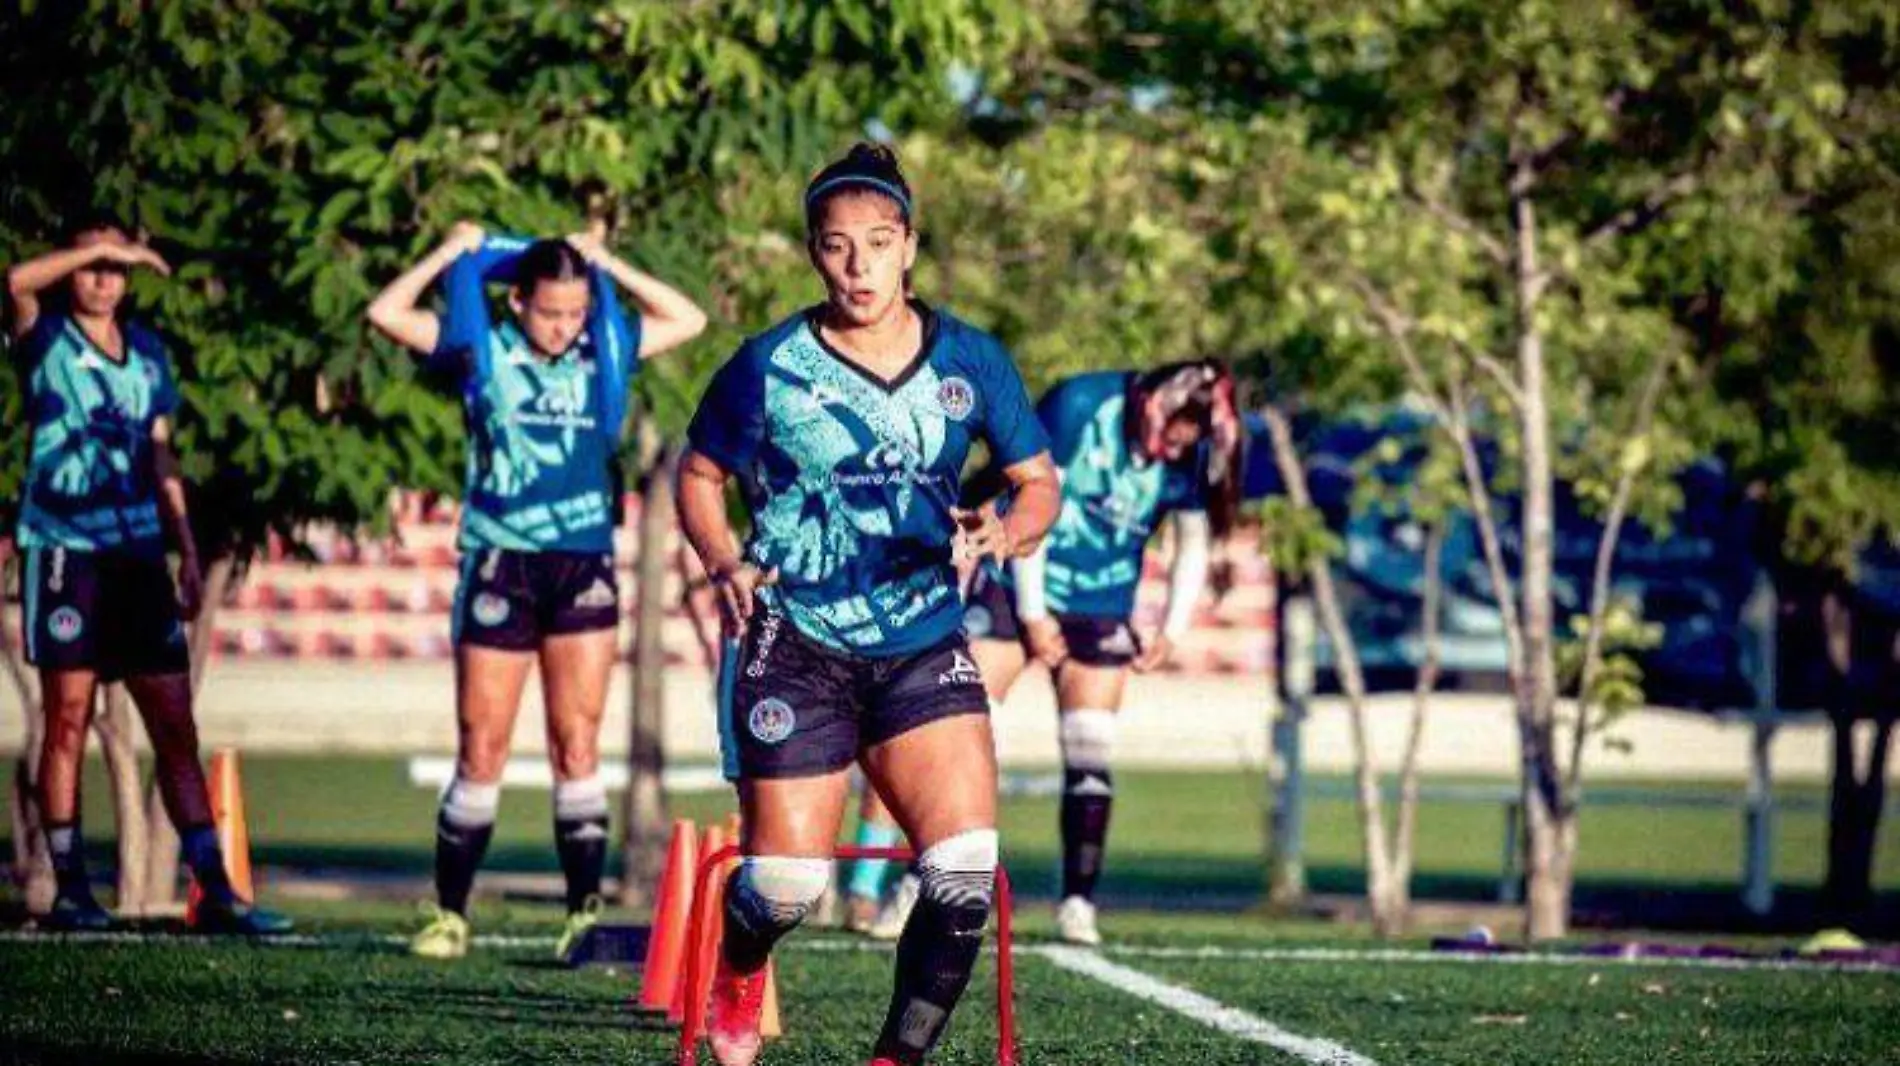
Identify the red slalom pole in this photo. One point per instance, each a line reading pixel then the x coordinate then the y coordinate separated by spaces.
pixel 1005 971
pixel 695 1014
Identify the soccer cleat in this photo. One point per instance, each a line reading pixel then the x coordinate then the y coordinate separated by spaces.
pixel 578 923
pixel 860 913
pixel 733 1014
pixel 237 918
pixel 896 913
pixel 445 937
pixel 81 914
pixel 1075 922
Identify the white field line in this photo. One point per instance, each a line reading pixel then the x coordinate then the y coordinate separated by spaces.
pixel 1399 955
pixel 1190 1004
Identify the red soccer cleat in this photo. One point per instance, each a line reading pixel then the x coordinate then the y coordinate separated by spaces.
pixel 732 1016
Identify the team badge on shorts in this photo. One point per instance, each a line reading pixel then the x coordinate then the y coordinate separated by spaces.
pixel 66 624
pixel 771 720
pixel 490 609
pixel 956 398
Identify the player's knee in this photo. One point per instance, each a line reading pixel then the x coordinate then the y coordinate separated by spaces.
pixel 959 873
pixel 1088 739
pixel 484 756
pixel 576 760
pixel 773 893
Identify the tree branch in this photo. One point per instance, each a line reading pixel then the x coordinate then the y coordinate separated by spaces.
pixel 1600 576
pixel 1398 329
pixel 1479 492
pixel 1638 216
pixel 1458 221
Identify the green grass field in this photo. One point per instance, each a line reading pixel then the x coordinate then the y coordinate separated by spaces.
pixel 1184 873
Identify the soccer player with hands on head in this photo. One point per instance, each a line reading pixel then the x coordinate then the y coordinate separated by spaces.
pixel 544 395
pixel 102 500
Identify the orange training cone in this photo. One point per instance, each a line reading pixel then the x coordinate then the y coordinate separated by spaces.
pixel 703 951
pixel 672 910
pixel 234 836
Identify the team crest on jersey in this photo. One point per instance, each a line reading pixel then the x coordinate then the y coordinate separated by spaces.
pixel 771 720
pixel 66 624
pixel 490 609
pixel 956 398
pixel 962 671
pixel 598 595
pixel 977 622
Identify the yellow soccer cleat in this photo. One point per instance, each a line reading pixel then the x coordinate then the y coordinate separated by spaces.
pixel 445 937
pixel 578 923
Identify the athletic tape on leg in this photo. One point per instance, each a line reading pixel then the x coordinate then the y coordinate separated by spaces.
pixel 1088 738
pixel 766 898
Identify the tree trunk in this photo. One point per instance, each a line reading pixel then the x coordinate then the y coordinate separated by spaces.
pixel 1403 849
pixel 1855 802
pixel 32 867
pixel 118 740
pixel 1550 820
pixel 1384 899
pixel 161 853
pixel 645 843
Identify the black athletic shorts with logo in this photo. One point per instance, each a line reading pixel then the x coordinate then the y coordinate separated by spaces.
pixel 792 707
pixel 512 600
pixel 989 613
pixel 113 613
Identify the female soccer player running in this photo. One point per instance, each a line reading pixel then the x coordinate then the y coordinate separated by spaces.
pixel 101 498
pixel 1130 449
pixel 544 395
pixel 847 426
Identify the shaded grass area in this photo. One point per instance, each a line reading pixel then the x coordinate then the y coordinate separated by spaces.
pixel 1496 1015
pixel 1181 840
pixel 358 999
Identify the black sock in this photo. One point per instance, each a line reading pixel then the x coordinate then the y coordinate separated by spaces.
pixel 65 848
pixel 753 928
pixel 463 827
pixel 935 957
pixel 580 838
pixel 1087 798
pixel 202 853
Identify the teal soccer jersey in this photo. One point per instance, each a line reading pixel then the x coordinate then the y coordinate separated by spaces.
pixel 541 432
pixel 851 479
pixel 90 483
pixel 1112 499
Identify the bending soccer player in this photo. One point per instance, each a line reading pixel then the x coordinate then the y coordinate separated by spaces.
pixel 544 394
pixel 1133 448
pixel 847 426
pixel 102 497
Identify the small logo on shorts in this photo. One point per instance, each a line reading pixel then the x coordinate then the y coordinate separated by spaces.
pixel 1120 642
pixel 771 720
pixel 599 594
pixel 956 398
pixel 66 624
pixel 490 609
pixel 962 672
pixel 977 622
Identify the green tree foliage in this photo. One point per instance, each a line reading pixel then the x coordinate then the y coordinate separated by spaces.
pixel 291 157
